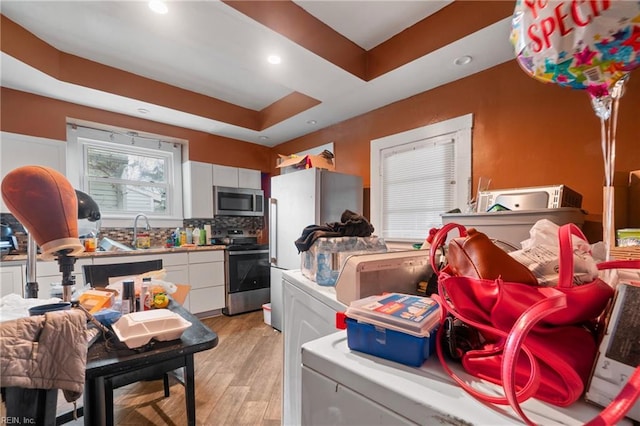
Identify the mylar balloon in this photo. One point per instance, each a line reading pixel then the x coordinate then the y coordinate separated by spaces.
pixel 586 45
pixel 583 44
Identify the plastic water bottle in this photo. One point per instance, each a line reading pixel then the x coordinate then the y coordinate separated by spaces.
pixel 196 236
pixel 323 274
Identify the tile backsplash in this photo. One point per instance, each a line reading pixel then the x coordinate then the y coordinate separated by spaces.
pixel 252 227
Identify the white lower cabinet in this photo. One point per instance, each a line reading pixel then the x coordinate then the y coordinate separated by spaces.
pixel 178 274
pixel 177 269
pixel 11 279
pixel 48 273
pixel 204 270
pixel 174 264
pixel 168 259
pixel 206 276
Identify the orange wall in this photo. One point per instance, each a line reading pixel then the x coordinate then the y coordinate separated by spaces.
pixel 34 115
pixel 525 133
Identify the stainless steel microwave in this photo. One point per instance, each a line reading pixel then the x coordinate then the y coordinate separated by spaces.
pixel 238 201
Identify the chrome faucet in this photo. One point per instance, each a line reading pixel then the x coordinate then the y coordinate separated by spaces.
pixel 135 228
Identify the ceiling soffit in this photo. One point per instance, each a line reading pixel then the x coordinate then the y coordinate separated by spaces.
pixel 287 19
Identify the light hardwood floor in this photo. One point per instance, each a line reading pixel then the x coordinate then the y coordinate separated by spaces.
pixel 239 382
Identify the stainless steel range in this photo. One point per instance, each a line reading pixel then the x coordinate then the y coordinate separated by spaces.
pixel 247 275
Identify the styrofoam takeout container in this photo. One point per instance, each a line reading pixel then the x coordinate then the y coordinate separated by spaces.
pixel 138 328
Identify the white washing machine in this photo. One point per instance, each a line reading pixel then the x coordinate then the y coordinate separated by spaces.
pixel 310 312
pixel 344 387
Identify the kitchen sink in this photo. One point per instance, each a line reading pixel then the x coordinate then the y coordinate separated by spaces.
pixel 107 244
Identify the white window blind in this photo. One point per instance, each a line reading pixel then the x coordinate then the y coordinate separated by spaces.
pixel 417 175
pixel 418 184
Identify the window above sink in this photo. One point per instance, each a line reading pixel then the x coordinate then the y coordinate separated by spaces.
pixel 126 173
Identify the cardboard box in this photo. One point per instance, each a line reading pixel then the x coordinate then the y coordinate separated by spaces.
pixel 181 293
pixel 292 163
pixel 95 300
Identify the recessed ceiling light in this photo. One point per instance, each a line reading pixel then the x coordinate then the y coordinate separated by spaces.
pixel 143 110
pixel 264 138
pixel 312 122
pixel 274 59
pixel 158 6
pixel 463 60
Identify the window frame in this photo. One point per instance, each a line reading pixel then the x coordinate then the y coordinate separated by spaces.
pixel 459 128
pixel 80 137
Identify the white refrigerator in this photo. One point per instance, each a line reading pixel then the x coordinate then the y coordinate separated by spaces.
pixel 299 199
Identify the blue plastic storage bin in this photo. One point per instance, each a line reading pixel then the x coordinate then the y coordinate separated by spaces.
pixel 389 344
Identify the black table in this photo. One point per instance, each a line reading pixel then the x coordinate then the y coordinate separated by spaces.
pixel 108 369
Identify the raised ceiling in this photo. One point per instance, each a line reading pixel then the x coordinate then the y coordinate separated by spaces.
pixel 203 64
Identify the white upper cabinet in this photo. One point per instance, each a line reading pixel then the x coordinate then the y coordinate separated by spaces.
pixel 248 178
pixel 197 181
pixel 21 150
pixel 234 177
pixel 225 176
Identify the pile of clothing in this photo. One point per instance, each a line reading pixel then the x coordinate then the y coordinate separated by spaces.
pixel 45 352
pixel 351 225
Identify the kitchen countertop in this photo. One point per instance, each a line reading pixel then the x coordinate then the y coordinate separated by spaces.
pixel 154 250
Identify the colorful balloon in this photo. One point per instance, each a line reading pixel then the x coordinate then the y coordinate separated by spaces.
pixel 581 44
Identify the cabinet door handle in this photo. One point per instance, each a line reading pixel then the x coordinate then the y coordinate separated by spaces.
pixel 273 230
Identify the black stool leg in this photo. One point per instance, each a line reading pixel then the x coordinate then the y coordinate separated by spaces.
pixel 165 380
pixel 31 406
pixel 189 390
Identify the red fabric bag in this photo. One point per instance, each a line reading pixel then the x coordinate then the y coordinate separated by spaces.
pixel 539 341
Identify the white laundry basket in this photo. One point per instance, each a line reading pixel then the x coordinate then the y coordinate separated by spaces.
pixel 266 310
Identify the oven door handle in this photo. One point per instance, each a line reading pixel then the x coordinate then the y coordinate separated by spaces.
pixel 241 252
pixel 273 230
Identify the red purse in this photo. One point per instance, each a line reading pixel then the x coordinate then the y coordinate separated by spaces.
pixel 538 341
